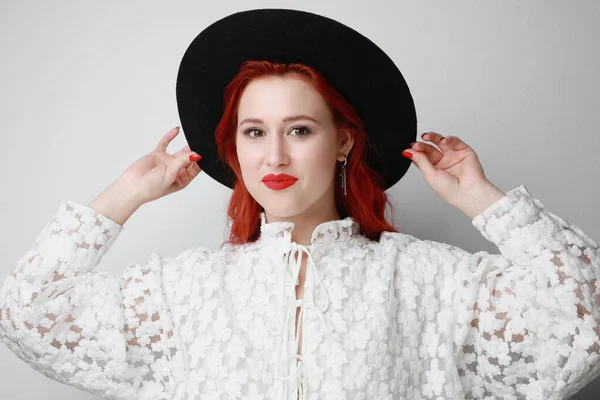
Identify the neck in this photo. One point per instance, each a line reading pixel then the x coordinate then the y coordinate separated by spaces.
pixel 306 222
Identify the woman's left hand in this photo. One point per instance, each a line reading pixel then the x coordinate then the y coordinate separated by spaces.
pixel 454 173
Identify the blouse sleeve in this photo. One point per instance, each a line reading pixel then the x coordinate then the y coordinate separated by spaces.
pixel 528 319
pixel 111 336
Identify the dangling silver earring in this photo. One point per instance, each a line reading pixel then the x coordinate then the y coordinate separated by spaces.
pixel 344 174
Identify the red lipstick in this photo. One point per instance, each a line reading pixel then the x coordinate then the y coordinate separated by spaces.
pixel 278 182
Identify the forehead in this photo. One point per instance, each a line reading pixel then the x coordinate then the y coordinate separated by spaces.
pixel 279 96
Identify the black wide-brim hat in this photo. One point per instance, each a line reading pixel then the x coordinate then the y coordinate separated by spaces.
pixel 355 66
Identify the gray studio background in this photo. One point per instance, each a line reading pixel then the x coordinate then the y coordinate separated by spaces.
pixel 88 88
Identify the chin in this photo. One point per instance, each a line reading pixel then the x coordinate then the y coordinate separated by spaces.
pixel 278 204
pixel 280 208
pixel 281 211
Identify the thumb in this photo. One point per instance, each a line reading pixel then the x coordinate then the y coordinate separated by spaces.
pixel 422 162
pixel 181 162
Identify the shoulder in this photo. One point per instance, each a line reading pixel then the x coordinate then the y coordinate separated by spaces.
pixel 396 240
pixel 198 259
pixel 188 262
pixel 409 247
pixel 204 254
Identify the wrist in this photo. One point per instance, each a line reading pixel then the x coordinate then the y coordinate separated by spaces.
pixel 480 198
pixel 116 202
pixel 126 192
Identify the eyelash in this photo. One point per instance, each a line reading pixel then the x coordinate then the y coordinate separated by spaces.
pixel 302 127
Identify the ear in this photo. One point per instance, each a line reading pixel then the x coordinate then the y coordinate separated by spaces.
pixel 345 143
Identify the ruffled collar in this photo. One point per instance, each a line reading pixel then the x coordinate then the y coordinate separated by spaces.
pixel 326 232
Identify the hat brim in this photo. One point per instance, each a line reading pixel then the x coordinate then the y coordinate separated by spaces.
pixel 355 66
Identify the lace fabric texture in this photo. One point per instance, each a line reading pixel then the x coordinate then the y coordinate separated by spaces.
pixel 397 318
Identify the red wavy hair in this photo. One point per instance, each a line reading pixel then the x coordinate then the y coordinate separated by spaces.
pixel 365 202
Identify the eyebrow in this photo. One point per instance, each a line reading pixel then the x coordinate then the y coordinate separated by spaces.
pixel 287 119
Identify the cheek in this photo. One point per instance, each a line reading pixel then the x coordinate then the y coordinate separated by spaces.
pixel 320 160
pixel 245 159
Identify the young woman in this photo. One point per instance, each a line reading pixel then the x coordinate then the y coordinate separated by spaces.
pixel 315 295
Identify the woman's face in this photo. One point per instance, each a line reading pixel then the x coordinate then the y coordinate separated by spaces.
pixel 285 127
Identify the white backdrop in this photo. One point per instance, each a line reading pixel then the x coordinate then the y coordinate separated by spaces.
pixel 88 88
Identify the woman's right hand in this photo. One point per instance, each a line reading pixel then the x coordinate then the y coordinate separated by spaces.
pixel 159 173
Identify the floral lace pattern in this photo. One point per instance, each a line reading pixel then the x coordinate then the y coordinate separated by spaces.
pixel 397 318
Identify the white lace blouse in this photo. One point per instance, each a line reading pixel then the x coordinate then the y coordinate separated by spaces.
pixel 397 318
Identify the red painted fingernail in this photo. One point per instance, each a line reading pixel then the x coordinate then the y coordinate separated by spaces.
pixel 195 157
pixel 407 154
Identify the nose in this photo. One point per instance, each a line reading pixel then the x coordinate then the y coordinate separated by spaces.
pixel 276 152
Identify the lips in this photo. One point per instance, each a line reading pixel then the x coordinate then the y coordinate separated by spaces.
pixel 279 182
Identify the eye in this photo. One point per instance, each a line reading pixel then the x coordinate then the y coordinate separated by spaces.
pixel 302 128
pixel 248 132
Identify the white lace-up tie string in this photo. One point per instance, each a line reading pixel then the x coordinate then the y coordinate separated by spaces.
pixel 293 260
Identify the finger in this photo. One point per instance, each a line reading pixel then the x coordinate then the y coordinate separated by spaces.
pixel 164 142
pixel 454 143
pixel 422 162
pixel 433 154
pixel 189 173
pixel 178 164
pixel 432 137
pixel 194 170
pixel 445 142
pixel 183 149
pixel 437 139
